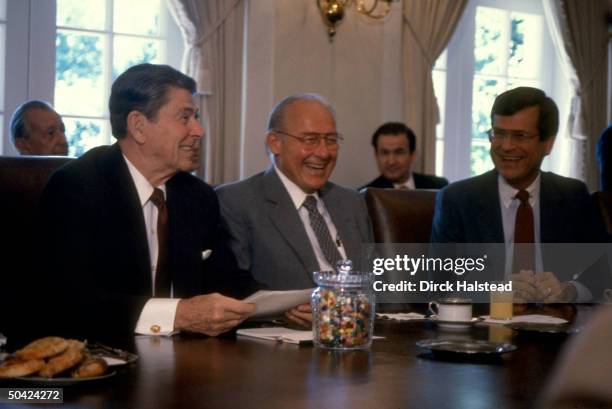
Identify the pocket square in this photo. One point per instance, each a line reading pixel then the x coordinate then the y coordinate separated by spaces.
pixel 206 254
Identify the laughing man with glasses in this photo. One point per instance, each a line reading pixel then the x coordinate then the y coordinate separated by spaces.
pixel 289 220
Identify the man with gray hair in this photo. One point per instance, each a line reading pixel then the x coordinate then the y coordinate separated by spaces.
pixel 289 220
pixel 36 129
pixel 147 252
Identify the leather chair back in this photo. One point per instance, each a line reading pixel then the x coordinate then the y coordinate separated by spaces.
pixel 22 180
pixel 400 216
pixel 603 201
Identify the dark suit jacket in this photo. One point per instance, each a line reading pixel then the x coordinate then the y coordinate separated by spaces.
pixel 269 238
pixel 420 182
pixel 469 211
pixel 98 255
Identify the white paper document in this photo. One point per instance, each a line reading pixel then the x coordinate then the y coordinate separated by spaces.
pixel 278 334
pixel 275 303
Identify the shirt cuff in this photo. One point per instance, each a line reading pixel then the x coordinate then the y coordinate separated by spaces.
pixel 157 317
pixel 583 294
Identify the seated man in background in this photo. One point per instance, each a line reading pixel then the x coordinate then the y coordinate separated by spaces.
pixel 395 150
pixel 518 204
pixel 289 220
pixel 134 241
pixel 36 129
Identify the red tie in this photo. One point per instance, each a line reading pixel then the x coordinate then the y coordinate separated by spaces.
pixel 162 275
pixel 524 249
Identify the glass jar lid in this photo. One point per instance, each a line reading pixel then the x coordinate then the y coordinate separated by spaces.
pixel 344 276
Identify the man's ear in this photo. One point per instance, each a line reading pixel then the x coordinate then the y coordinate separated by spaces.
pixel 273 141
pixel 22 146
pixel 136 123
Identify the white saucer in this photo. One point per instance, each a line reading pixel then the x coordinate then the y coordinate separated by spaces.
pixel 453 324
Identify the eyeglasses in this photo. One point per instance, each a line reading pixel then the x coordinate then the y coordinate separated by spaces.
pixel 312 140
pixel 499 134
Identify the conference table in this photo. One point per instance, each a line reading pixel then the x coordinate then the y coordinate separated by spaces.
pixel 190 371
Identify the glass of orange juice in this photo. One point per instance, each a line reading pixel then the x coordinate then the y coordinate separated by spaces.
pixel 501 305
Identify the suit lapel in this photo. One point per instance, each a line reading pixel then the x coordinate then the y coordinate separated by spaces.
pixel 286 220
pixel 551 201
pixel 127 214
pixel 488 211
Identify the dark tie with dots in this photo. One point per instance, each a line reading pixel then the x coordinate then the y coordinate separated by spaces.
pixel 329 248
pixel 524 248
pixel 162 275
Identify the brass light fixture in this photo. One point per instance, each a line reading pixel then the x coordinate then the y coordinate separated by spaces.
pixel 332 11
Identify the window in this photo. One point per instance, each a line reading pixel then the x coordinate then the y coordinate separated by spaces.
pixel 96 41
pixel 497 46
pixel 507 54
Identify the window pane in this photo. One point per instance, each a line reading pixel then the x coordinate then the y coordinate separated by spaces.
pixel 525 45
pixel 136 17
pixel 79 73
pixel 83 134
pixel 441 61
pixel 129 51
pixel 90 14
pixel 481 160
pixel 485 91
pixel 489 45
pixel 517 82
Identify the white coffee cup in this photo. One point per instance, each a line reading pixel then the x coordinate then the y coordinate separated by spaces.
pixel 452 309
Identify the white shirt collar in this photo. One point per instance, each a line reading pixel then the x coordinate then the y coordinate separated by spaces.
pixel 295 192
pixel 409 183
pixel 507 192
pixel 143 187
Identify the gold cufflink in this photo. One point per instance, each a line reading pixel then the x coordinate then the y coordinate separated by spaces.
pixel 155 328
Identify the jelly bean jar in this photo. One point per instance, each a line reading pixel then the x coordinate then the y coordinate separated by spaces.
pixel 343 308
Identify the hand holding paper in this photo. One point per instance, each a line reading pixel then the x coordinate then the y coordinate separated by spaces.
pixel 276 303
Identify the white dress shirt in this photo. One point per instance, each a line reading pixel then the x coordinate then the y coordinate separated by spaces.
pixel 297 197
pixel 157 316
pixel 408 184
pixel 509 206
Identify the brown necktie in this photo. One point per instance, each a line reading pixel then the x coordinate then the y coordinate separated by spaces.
pixel 524 249
pixel 162 275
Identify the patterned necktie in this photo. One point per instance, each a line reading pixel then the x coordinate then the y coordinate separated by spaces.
pixel 321 231
pixel 162 275
pixel 524 248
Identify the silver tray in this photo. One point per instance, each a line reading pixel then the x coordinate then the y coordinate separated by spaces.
pixel 60 381
pixel 471 348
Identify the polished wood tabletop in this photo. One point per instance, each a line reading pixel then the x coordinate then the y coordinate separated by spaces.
pixel 189 371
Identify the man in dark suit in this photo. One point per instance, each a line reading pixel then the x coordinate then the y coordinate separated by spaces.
pixel 134 240
pixel 289 220
pixel 395 149
pixel 517 200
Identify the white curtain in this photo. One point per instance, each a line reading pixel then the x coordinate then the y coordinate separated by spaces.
pixel 213 34
pixel 428 26
pixel 580 36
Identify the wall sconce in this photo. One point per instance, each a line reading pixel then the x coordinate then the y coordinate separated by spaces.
pixel 332 11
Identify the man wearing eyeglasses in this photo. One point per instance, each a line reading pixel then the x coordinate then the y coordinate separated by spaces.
pixel 519 205
pixel 289 220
